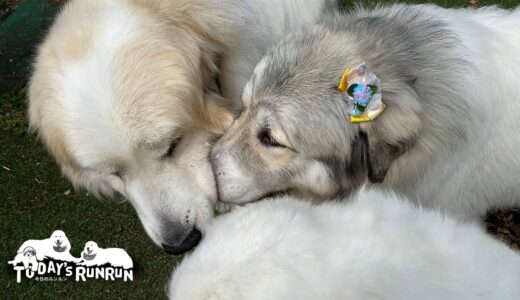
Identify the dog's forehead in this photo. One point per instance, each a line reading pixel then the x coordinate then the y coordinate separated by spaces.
pixel 126 96
pixel 324 132
pixel 301 61
pixel 297 81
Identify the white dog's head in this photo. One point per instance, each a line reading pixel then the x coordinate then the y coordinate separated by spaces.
pixel 127 109
pixel 60 242
pixel 91 247
pixel 90 251
pixel 29 252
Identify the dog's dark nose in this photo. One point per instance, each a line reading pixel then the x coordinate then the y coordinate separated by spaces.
pixel 187 244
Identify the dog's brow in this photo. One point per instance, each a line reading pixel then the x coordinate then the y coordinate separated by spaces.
pixel 158 142
pixel 154 145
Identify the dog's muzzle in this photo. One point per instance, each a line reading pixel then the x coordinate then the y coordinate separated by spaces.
pixel 89 256
pixel 187 244
pixel 58 247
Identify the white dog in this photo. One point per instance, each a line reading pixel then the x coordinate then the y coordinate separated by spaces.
pixel 27 257
pixel 377 246
pixel 92 255
pixel 56 247
pixel 126 94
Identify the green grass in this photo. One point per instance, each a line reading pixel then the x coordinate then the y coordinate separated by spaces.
pixel 35 201
pixel 34 204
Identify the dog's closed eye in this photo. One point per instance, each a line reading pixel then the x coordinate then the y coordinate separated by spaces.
pixel 266 138
pixel 173 146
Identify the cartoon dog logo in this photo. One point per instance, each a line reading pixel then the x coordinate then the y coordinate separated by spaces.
pixel 93 255
pixel 56 247
pixel 28 258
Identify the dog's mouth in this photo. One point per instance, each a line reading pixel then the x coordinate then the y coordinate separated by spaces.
pixel 89 256
pixel 263 197
pixel 272 195
pixel 59 248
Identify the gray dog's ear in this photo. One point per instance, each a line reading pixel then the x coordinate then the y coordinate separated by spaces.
pixel 392 133
pixel 357 167
pixel 370 160
pixel 380 156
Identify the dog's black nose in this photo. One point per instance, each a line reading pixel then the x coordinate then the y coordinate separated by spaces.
pixel 187 244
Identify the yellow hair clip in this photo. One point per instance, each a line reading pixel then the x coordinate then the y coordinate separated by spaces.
pixel 343 84
pixel 362 92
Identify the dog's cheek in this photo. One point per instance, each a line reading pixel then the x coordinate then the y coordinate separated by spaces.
pixel 317 179
pixel 117 184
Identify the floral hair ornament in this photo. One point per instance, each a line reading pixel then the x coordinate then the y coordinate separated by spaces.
pixel 361 90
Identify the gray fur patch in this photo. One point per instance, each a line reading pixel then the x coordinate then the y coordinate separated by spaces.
pixel 416 56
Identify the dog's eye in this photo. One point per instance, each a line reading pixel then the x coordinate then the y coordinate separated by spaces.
pixel 265 137
pixel 172 148
pixel 118 174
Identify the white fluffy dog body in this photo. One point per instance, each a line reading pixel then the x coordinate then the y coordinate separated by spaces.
pixel 125 94
pixel 377 246
pixel 57 247
pixel 93 255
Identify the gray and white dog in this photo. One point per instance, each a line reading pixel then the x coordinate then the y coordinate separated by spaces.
pixel 448 138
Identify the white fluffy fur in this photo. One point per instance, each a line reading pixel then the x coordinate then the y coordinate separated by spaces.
pixel 117 81
pixel 93 255
pixel 376 246
pixel 44 249
pixel 483 171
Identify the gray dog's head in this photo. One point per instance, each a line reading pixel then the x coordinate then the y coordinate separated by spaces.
pixel 294 134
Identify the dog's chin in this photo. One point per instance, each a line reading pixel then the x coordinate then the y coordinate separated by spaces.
pixel 222 207
pixel 59 249
pixel 89 256
pixel 271 195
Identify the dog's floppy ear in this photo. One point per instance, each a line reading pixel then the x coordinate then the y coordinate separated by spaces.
pixel 216 112
pixel 380 156
pixel 358 166
pixel 370 160
pixel 392 133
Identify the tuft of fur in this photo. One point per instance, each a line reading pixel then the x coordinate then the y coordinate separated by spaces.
pixel 375 246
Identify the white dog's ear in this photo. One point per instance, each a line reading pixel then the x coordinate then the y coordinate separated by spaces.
pixel 117 184
pixel 392 133
pixel 218 112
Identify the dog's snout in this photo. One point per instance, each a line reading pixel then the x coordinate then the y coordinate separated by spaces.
pixel 215 152
pixel 191 240
pixel 216 156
